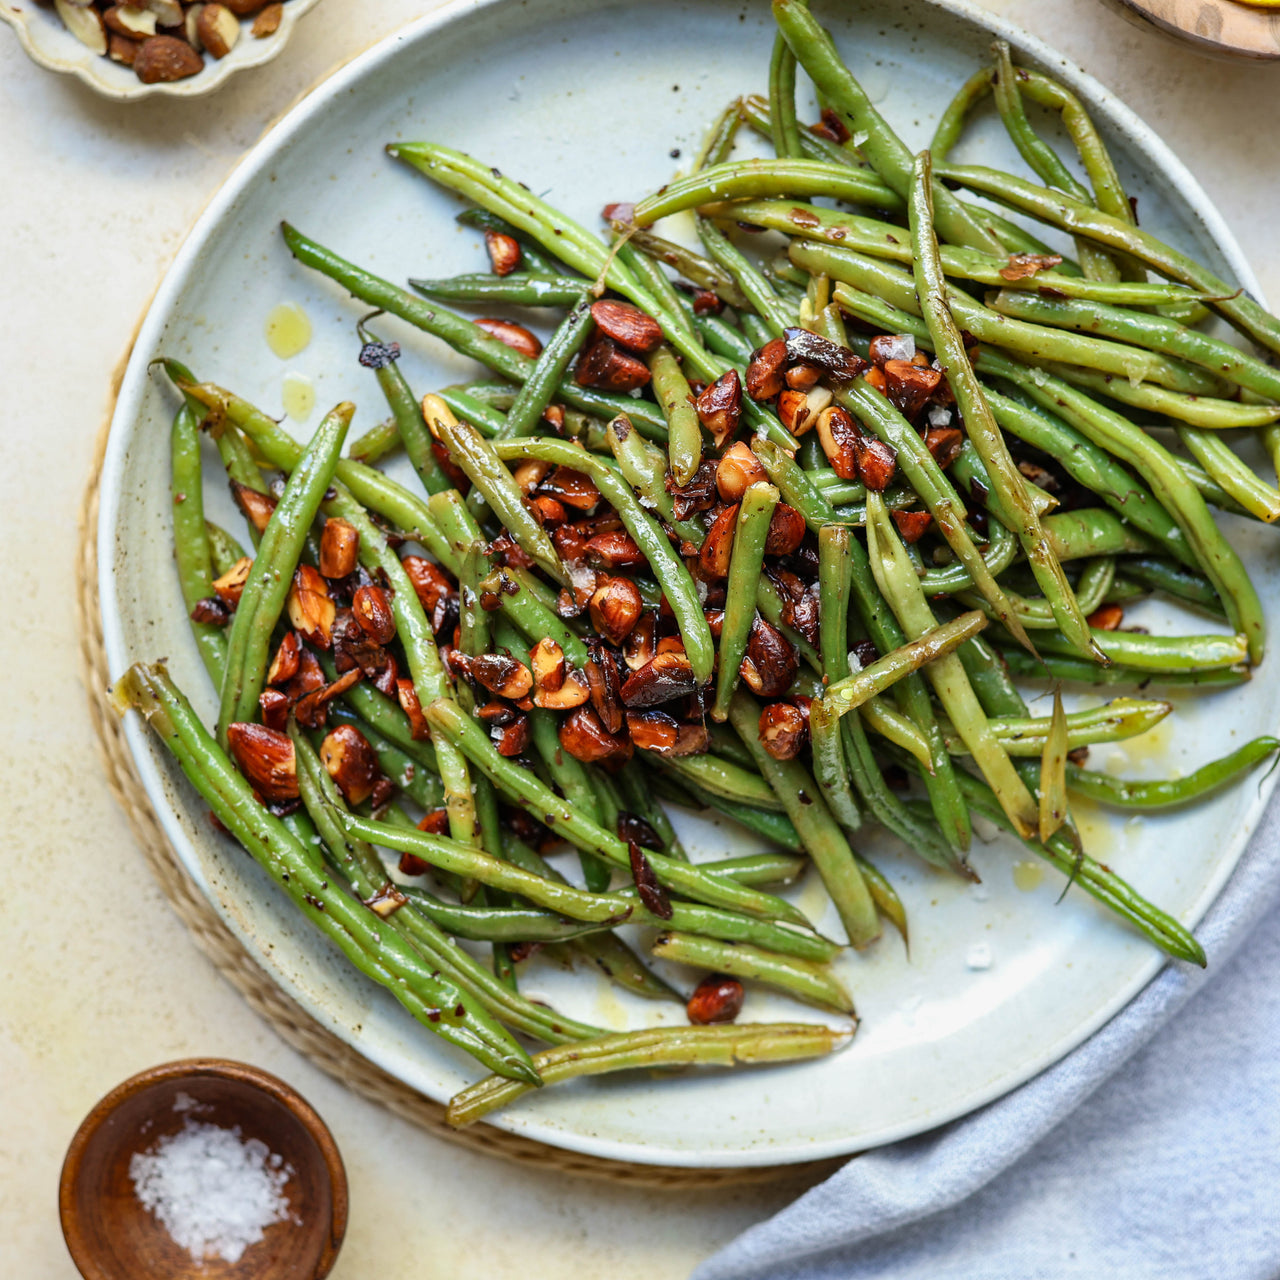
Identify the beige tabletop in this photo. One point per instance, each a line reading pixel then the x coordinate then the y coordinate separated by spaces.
pixel 98 978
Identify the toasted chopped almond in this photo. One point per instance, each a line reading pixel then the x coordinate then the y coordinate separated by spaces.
pixel 839 436
pixel 786 531
pixel 502 675
pixel 664 678
pixel 572 693
pixel 312 709
pixel 603 364
pixel 874 378
pixel 266 758
pixel 513 335
pixel 813 349
pixel 504 252
pixel 614 550
pixel 121 49
pixel 652 894
pixel 606 688
pixel 912 525
pixel 372 610
pixel 350 761
pixel 615 608
pixel 339 548
pixel 546 659
pixel 511 739
pixel 627 325
pixel 1107 618
pixel 783 731
pixel 716 999
pixel 407 697
pixel 83 23
pixel 549 512
pixel 218 28
pixel 736 471
pixel 653 731
pixel 311 609
pixel 771 661
pixel 254 506
pixel 799 410
pixel 230 586
pixel 309 678
pixel 435 822
pixel 168 12
pixel 671 644
pixel 944 443
pixel 210 611
pixel 274 706
pixel 530 474
pixel 583 736
pixel 284 665
pixel 877 463
pixel 641 645
pixel 387 901
pixel 802 377
pixel 572 488
pixel 130 21
pixel 267 23
pixel 764 373
pixel 909 386
pixel 717 546
pixel 719 407
pixel 430 583
pixel 164 59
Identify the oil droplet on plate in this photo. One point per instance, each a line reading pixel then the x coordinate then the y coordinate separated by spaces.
pixel 978 957
pixel 288 330
pixel 1028 875
pixel 298 396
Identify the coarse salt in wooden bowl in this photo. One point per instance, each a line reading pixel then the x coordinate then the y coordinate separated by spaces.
pixel 1219 28
pixel 218 1149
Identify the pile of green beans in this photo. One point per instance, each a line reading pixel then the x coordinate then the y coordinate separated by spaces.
pixel 938 456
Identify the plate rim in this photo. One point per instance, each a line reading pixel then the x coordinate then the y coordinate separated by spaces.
pixel 1120 117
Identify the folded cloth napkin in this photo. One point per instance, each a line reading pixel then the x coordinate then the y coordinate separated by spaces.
pixel 1135 1156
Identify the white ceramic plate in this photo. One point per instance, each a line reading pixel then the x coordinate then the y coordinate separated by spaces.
pixel 584 101
pixel 42 34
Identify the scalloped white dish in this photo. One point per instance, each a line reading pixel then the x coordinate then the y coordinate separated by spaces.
pixel 48 42
pixel 585 102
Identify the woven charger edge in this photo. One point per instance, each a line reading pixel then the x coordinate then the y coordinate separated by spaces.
pixel 287 1018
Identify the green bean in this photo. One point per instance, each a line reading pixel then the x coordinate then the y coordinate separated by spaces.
pixel 901 589
pixel 1033 341
pixel 1118 720
pixel 380 441
pixel 830 766
pixel 684 432
pixel 725 779
pixel 1197 410
pixel 979 422
pixel 653 1048
pixel 1089 532
pixel 190 541
pixel 496 924
pixel 548 371
pixel 844 695
pixel 952 121
pixel 1173 579
pixel 527 791
pixel 639 801
pixel 1095 581
pixel 667 567
pixel 782 99
pixel 773 312
pixel 1159 654
pixel 884 150
pixel 1054 667
pixel 691 265
pixel 1131 444
pixel 1002 550
pixel 1170 793
pixel 722 338
pixel 485 417
pixel 1096 263
pixel 777 828
pixel 224 550
pixel 822 837
pixel 520 289
pixel 811 983
pixel 267 587
pixel 1098 881
pixel 404 408
pixel 751 531
pixel 1238 480
pixel 438 1003
pixel 657 283
pixel 643 466
pixel 892 725
pixel 1143 329
pixel 465 337
pixel 1060 210
pixel 773 177
pixel 759 868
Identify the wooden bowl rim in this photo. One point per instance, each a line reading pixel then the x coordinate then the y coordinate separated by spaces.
pixel 184 1069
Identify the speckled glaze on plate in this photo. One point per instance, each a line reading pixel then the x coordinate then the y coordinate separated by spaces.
pixel 48 42
pixel 585 102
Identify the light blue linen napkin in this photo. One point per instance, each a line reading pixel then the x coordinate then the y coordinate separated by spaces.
pixel 1138 1155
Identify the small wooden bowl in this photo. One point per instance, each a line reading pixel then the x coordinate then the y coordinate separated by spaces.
pixel 113 1237
pixel 1220 28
